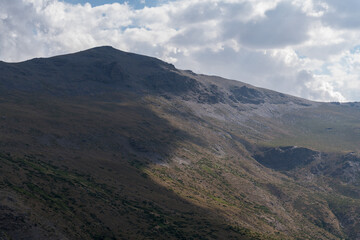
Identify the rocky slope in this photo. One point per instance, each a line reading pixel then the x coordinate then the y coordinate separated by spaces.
pixel 104 144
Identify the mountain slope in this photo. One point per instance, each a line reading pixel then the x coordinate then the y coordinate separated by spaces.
pixel 128 147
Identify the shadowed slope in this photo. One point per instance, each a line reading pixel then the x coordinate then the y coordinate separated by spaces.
pixel 84 161
pixel 94 71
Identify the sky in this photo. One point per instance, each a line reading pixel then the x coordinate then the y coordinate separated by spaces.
pixel 307 48
pixel 136 4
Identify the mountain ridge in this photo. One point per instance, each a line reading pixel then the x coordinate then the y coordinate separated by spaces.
pixel 129 147
pixel 110 55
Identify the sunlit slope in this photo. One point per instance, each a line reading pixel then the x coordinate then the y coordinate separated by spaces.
pixel 329 127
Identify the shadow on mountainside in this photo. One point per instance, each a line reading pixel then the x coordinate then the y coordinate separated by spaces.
pixel 75 168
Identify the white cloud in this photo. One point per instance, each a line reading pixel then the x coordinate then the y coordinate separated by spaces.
pixel 306 48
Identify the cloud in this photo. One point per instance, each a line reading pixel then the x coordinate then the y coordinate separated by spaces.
pixel 342 14
pixel 19 29
pixel 316 87
pixel 303 47
pixel 280 27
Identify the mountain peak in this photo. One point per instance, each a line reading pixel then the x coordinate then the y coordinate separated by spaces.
pixel 105 69
pixel 86 72
pixel 102 49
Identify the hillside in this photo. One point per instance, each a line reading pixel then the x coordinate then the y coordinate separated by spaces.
pixel 104 144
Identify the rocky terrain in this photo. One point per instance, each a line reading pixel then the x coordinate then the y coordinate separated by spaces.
pixel 104 144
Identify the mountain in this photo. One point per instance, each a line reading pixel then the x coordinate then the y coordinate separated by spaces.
pixel 104 144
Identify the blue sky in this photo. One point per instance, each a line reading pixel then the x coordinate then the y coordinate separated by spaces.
pixel 137 4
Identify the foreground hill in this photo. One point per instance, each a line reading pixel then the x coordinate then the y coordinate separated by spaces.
pixel 104 144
